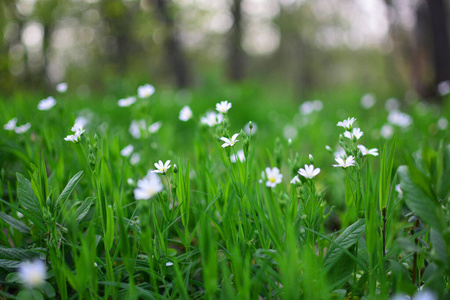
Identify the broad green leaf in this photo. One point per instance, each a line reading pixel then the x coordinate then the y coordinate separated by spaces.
pixel 16 224
pixel 27 214
pixel 69 188
pixel 9 264
pixel 419 201
pixel 27 198
pixel 349 237
pixel 17 254
pixel 30 294
pixel 439 246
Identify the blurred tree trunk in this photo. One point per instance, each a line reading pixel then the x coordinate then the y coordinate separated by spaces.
pixel 236 56
pixel 119 18
pixel 440 39
pixel 174 54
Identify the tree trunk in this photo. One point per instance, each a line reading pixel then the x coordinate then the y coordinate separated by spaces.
pixel 236 57
pixel 174 53
pixel 440 39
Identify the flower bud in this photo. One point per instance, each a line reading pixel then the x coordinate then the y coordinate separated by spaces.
pixel 250 125
pixel 175 168
pixel 311 159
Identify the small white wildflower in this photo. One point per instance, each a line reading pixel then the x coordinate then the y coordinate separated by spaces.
pixel 356 133
pixel 368 100
pixel 146 90
pixel 340 152
pixel 47 103
pixel 127 151
pixel 348 162
pixel 32 274
pixel 82 121
pixel 399 191
pixel 442 123
pixel 154 127
pixel 309 171
pixel 136 128
pixel 23 128
pixel 130 181
pixel 223 107
pixel 240 156
pixel 11 125
pixel 169 264
pixel 295 180
pixel 185 114
pixel 229 142
pixel 274 177
pixel 347 124
pixel 78 131
pixel 135 159
pixel 386 131
pixel 249 131
pixel 212 119
pixel 400 119
pixel 162 168
pixel 392 104
pixel 365 151
pixel 19 215
pixel 61 88
pixel 443 88
pixel 126 101
pixel 148 187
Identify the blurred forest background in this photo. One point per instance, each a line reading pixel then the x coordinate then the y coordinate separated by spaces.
pixel 296 45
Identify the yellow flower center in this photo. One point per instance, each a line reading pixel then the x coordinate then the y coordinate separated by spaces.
pixel 272 179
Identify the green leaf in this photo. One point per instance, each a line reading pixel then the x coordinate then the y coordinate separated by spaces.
pixel 418 200
pixel 27 214
pixel 27 198
pixel 349 237
pixel 16 224
pixel 439 246
pixel 69 189
pixel 83 209
pixel 17 253
pixel 9 265
pixel 29 294
pixel 48 290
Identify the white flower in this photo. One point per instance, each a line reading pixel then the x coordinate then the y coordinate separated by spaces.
pixel 130 181
pixel 78 131
pixel 126 101
pixel 349 161
pixel 399 191
pixel 252 131
pixel 295 180
pixel 400 119
pixel 392 104
pixel 365 151
pixel 47 103
pixel 136 127
pixel 368 100
pixel 32 274
pixel 185 114
pixel 154 127
pixel 148 187
pixel 274 177
pixel 223 107
pixel 146 91
pixel 442 123
pixel 387 131
pixel 309 171
pixel 356 133
pixel 61 88
pixel 443 88
pixel 82 121
pixel 11 125
pixel 127 151
pixel 347 124
pixel 169 264
pixel 306 108
pixel 229 142
pixel 135 159
pixel 22 129
pixel 212 119
pixel 240 156
pixel 162 168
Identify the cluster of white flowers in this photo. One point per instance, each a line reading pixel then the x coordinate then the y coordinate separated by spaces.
pixel 399 119
pixel 78 131
pixel 11 125
pixel 342 158
pixel 143 91
pixel 212 119
pixel 309 107
pixel 138 127
pixel 128 151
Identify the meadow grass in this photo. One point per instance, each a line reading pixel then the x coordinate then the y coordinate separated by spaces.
pixel 220 222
